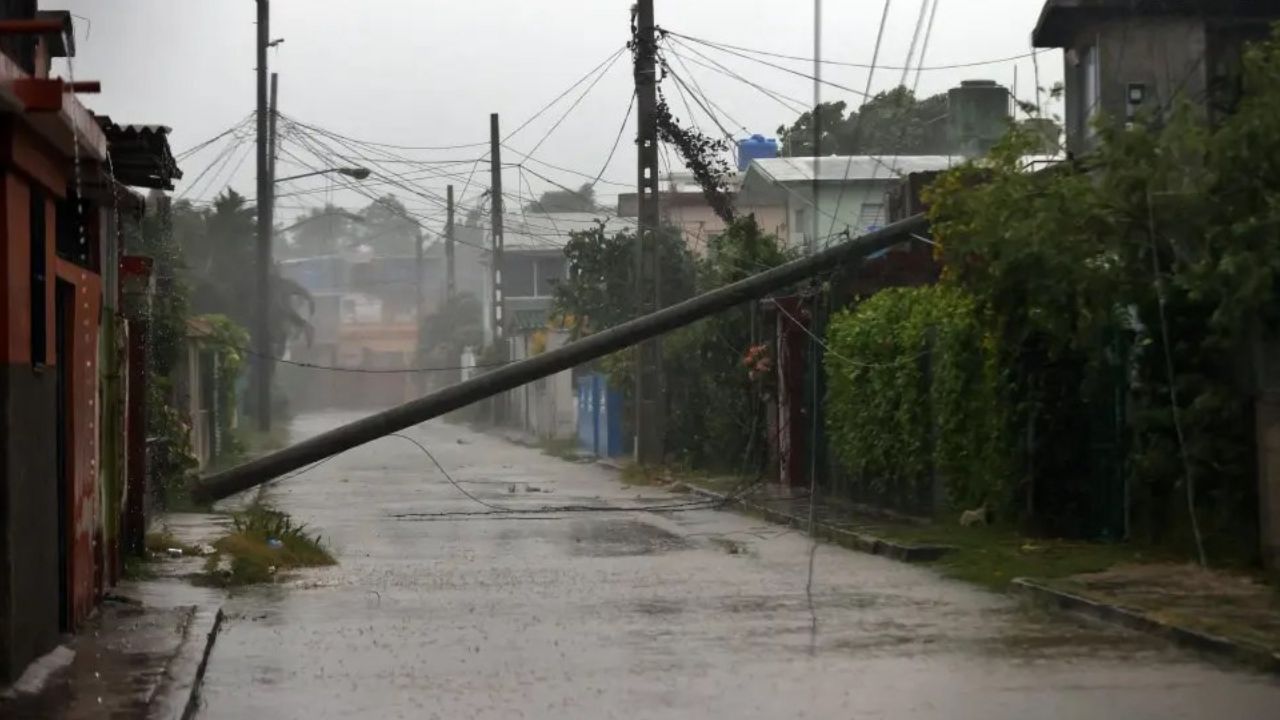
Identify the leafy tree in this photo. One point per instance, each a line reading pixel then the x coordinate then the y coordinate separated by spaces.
pixel 388 227
pixel 582 200
pixel 892 122
pixel 458 324
pixel 219 247
pixel 1143 280
pixel 322 231
pixel 599 291
pixel 715 412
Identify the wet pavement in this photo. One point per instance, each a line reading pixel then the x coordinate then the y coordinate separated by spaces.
pixel 440 608
pixel 116 666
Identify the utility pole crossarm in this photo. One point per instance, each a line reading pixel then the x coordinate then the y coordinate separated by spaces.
pixel 514 375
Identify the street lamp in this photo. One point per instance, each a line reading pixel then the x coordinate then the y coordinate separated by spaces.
pixel 358 173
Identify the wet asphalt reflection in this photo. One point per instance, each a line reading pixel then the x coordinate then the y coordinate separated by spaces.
pixel 438 610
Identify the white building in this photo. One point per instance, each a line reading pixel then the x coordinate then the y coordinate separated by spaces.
pixel 850 192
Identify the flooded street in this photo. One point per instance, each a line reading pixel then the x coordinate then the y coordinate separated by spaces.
pixel 440 609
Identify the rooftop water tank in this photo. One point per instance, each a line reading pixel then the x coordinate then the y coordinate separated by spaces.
pixel 754 148
pixel 978 116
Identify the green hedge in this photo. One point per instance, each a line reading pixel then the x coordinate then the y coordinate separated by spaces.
pixel 914 391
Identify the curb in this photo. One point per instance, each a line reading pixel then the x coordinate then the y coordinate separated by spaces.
pixel 1242 652
pixel 844 538
pixel 179 698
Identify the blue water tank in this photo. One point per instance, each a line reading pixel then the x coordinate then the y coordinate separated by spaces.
pixel 755 147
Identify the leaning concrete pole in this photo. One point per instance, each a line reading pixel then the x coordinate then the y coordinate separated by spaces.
pixel 516 374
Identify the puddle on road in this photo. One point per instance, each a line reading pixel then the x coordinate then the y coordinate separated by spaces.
pixel 601 537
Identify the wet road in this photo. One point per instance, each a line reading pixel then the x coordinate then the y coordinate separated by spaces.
pixel 643 615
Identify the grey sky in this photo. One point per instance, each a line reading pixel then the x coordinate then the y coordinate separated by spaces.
pixel 415 72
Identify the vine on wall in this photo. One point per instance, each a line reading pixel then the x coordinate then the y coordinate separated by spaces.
pixel 914 391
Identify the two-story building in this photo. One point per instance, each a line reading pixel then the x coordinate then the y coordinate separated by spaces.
pixel 62 465
pixel 1125 59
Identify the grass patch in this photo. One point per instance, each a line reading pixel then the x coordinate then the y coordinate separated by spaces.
pixel 994 556
pixel 262 543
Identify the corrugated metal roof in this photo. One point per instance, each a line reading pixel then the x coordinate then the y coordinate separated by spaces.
pixel 848 168
pixel 140 154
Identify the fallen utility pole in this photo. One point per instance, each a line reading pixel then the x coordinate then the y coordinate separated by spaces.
pixel 516 374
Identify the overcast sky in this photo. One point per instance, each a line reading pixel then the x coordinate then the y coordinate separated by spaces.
pixel 429 72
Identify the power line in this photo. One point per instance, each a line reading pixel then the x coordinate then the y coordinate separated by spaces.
pixel 951 66
pixel 575 104
pixel 698 87
pixel 608 60
pixel 790 71
pixel 201 145
pixel 844 181
pixel 617 140
pixel 790 103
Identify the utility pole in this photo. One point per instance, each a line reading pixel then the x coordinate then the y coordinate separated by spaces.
pixel 272 142
pixel 419 310
pixel 513 375
pixel 451 280
pixel 650 405
pixel 262 326
pixel 495 222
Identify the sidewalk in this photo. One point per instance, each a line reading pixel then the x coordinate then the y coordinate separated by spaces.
pixel 1216 613
pixel 129 661
pixel 141 656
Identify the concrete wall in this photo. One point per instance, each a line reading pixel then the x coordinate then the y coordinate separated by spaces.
pixel 1164 54
pixel 836 209
pixel 698 222
pixel 546 408
pixel 29 567
pixel 29 541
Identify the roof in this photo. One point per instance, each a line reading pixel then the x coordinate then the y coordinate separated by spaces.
pixel 1061 19
pixel 61 44
pixel 765 176
pixel 847 168
pixel 199 327
pixel 140 154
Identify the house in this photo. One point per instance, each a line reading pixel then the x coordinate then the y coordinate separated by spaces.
pixel 62 471
pixel 682 204
pixel 851 192
pixel 196 390
pixel 364 318
pixel 533 260
pixel 1129 58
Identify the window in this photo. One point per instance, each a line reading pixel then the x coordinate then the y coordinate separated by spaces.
pixel 803 227
pixel 550 270
pixel 870 217
pixel 518 275
pixel 39 277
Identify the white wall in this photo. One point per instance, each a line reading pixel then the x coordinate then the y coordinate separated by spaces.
pixel 836 210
